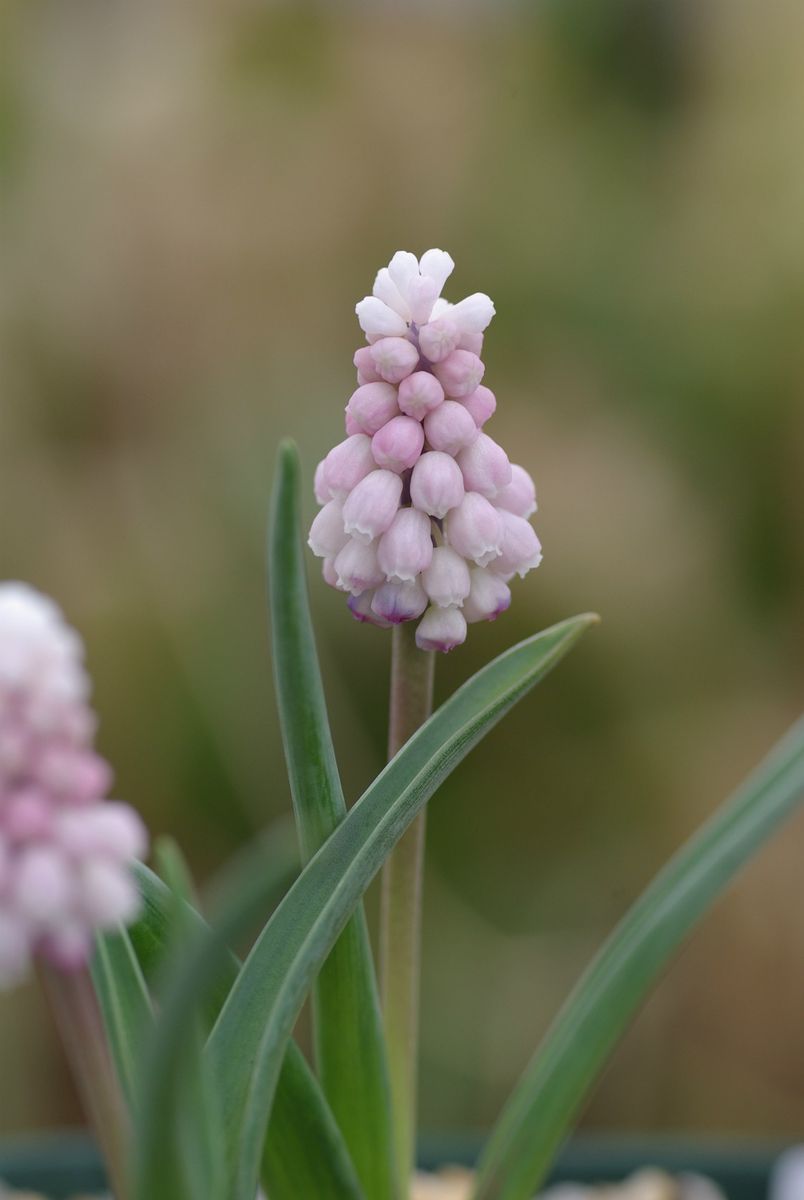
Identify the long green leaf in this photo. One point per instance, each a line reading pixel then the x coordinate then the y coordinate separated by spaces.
pixel 349 1039
pixel 125 1004
pixel 305 1153
pixel 301 1117
pixel 250 1036
pixel 170 863
pixel 196 1129
pixel 538 1114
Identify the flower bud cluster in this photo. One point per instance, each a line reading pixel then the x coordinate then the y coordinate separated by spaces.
pixel 423 516
pixel 65 854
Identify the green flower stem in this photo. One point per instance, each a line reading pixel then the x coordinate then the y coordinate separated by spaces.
pixel 412 673
pixel 78 1017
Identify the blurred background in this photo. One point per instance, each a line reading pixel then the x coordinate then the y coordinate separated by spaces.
pixel 192 199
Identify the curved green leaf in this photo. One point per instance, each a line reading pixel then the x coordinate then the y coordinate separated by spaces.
pixel 197 1165
pixel 349 1039
pixel 125 1004
pixel 538 1114
pixel 305 1153
pixel 300 1116
pixel 250 1036
pixel 172 866
pixel 149 933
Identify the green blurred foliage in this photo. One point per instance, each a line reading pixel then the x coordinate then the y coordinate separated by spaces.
pixel 193 198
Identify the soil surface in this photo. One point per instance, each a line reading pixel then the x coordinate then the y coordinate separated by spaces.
pixel 455 1183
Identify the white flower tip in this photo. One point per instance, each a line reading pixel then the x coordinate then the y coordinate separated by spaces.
pixel 386 290
pixel 438 265
pixel 474 314
pixel 378 320
pixel 403 267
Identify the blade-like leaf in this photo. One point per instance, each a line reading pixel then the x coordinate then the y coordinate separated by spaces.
pixel 149 933
pixel 349 1039
pixel 125 1004
pixel 305 1153
pixel 173 867
pixel 538 1114
pixel 250 1036
pixel 198 1163
pixel 301 1117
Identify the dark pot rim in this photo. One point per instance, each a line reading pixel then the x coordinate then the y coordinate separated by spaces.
pixel 65 1162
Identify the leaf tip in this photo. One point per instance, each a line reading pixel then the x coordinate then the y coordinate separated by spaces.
pixel 287 455
pixel 579 624
pixel 287 478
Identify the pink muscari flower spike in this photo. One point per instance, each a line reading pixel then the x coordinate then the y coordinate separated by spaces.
pixel 58 884
pixel 54 774
pixel 431 508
